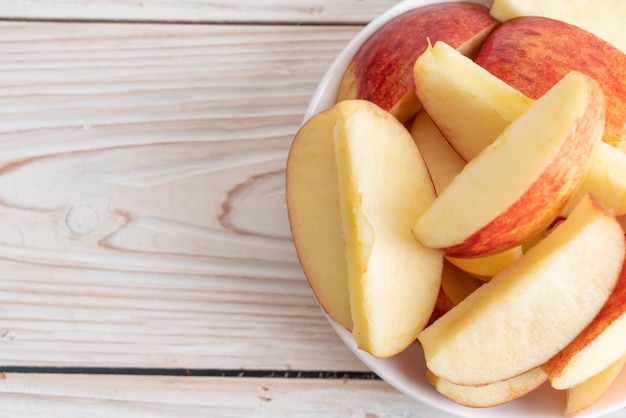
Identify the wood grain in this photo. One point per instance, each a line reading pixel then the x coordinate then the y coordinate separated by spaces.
pixel 269 11
pixel 141 196
pixel 80 396
pixel 166 397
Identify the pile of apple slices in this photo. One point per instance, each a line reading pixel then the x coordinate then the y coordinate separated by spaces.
pixel 482 222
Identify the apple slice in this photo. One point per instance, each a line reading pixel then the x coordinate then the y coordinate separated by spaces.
pixel 442 160
pixel 384 186
pixel 507 326
pixel 601 343
pixel 457 284
pixel 488 266
pixel 606 180
pixel 468 121
pixel 522 180
pixel 532 53
pixel 602 18
pixel 588 392
pixel 381 71
pixel 312 197
pixel 442 305
pixel 492 394
pixel 437 69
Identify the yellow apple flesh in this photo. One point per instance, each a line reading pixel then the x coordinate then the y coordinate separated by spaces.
pixel 461 96
pixel 312 197
pixel 588 392
pixel 518 184
pixel 381 71
pixel 532 309
pixel 606 180
pixel 483 98
pixel 457 284
pixel 488 266
pixel 442 160
pixel 532 53
pixel 384 186
pixel 601 343
pixel 490 395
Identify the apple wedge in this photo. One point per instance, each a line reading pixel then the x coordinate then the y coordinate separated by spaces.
pixel 312 197
pixel 601 343
pixel 507 326
pixel 437 75
pixel 532 53
pixel 488 266
pixel 384 186
pixel 602 18
pixel 442 160
pixel 442 305
pixel 588 392
pixel 518 184
pixel 492 394
pixel 457 284
pixel 482 107
pixel 381 71
pixel 606 180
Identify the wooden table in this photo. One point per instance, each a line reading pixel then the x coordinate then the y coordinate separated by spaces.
pixel 146 265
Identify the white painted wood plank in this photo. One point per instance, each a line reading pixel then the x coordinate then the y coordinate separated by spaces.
pixel 142 215
pixel 168 397
pixel 302 11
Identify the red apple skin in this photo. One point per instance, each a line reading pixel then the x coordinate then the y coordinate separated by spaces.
pixel 532 53
pixel 548 195
pixel 382 69
pixel 614 308
pixel 442 305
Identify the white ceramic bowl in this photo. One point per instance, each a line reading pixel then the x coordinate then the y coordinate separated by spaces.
pixel 406 371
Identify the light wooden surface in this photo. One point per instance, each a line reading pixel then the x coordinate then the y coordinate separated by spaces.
pixel 209 11
pixel 142 216
pixel 141 196
pixel 160 397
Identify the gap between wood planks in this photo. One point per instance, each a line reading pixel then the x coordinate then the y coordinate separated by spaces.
pixel 138 371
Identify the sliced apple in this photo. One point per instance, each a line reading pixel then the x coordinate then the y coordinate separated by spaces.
pixel 442 160
pixel 488 266
pixel 588 392
pixel 457 284
pixel 603 18
pixel 384 186
pixel 522 180
pixel 606 180
pixel 438 71
pixel 492 394
pixel 381 71
pixel 442 305
pixel 312 197
pixel 601 343
pixel 532 53
pixel 507 326
pixel 469 105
